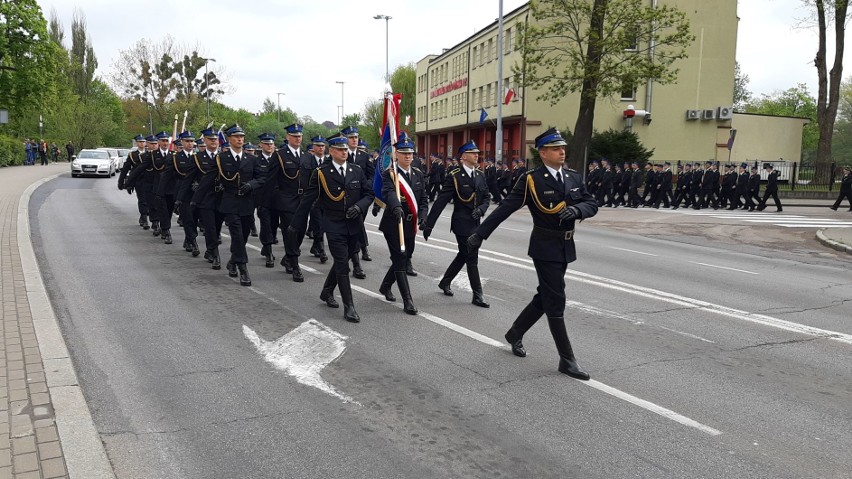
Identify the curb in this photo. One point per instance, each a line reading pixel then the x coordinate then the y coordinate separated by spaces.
pixel 85 456
pixel 842 247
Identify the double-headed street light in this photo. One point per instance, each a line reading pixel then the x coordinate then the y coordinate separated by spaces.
pixel 386 18
pixel 207 85
pixel 279 105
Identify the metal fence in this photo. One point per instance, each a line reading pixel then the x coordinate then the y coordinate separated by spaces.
pixel 793 176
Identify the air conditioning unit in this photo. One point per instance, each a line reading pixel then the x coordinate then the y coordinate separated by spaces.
pixel 724 113
pixel 693 114
pixel 708 115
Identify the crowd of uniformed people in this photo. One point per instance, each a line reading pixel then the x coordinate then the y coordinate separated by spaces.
pixel 696 185
pixel 324 193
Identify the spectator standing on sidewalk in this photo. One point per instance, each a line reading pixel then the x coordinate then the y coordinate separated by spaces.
pixel 54 152
pixel 845 189
pixel 69 148
pixel 42 151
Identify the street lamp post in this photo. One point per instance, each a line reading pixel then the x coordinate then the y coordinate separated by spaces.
pixel 279 105
pixel 386 18
pixel 207 85
pixel 341 100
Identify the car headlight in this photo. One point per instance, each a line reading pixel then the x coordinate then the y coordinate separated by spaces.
pixel 75 164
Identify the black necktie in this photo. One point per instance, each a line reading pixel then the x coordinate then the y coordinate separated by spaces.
pixel 559 178
pixel 237 157
pixel 298 154
pixel 342 173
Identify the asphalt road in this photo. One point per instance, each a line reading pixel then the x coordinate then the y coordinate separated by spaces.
pixel 707 359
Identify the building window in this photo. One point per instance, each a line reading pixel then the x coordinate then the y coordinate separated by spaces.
pixel 631 38
pixel 507 41
pixel 490 49
pixel 628 90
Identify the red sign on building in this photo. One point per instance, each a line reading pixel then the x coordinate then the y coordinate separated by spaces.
pixel 448 88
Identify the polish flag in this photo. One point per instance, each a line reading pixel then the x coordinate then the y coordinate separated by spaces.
pixel 510 93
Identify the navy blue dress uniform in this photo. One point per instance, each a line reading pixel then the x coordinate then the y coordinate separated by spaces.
pixel 845 190
pixel 285 181
pixel 664 186
pixel 134 159
pixel 684 180
pixel 311 162
pixel 636 179
pixel 754 188
pixel 741 190
pixel 148 177
pixel 342 197
pixel 436 178
pixel 624 191
pixel 650 183
pixel 468 190
pixel 695 186
pixel 179 169
pixel 491 179
pixel 772 189
pixel 368 166
pixel 239 174
pixel 203 179
pixel 729 181
pixel 412 211
pixel 263 198
pixel 556 199
pixel 709 185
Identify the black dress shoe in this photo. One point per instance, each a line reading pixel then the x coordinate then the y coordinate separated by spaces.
pixel 445 287
pixel 297 273
pixel 359 273
pixel 286 264
pixel 833 208
pixel 232 269
pixel 328 297
pixel 517 347
pixel 155 229
pixel 409 270
pixel 479 300
pixel 270 259
pixel 571 368
pixel 385 289
pixel 365 255
pixel 217 263
pixel 244 276
pixel 323 257
pixel 194 249
pixel 208 256
pixel 167 237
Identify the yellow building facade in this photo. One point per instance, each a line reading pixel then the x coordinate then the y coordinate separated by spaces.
pixel 689 120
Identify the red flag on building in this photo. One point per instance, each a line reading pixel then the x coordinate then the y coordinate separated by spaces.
pixel 510 93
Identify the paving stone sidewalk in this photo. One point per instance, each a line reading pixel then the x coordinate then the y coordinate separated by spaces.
pixel 29 443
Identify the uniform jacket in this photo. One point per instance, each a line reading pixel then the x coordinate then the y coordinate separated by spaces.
pixel 263 194
pixel 153 164
pixel 636 179
pixel 176 173
pixel 710 180
pixel 417 180
pixel 684 180
pixel 366 163
pixel 742 184
pixel 202 178
pixel 134 159
pixel 467 192
pixel 232 174
pixel 505 180
pixel 665 180
pixel 540 192
pixel 772 182
pixel 754 183
pixel 650 179
pixel 626 179
pixel 697 180
pixel 334 195
pixel 283 187
pixel 846 184
pixel 517 173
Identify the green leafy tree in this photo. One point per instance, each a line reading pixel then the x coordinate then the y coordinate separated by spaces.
pixel 597 48
pixel 742 95
pixel 618 146
pixel 404 80
pixel 27 69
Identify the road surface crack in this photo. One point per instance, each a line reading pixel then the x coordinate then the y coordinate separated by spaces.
pixel 190 373
pixel 834 303
pixel 772 344
pixel 669 310
pixel 138 434
pixel 655 361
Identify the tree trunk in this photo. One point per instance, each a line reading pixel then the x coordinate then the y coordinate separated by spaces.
pixel 828 94
pixel 584 126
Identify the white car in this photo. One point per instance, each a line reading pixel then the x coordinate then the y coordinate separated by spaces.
pixel 116 157
pixel 93 162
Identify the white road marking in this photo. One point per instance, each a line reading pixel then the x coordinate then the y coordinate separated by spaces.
pixel 686 334
pixel 303 353
pixel 256 248
pixel 601 312
pixel 823 225
pixel 667 413
pixel 632 251
pixel 723 267
pixel 664 296
pixel 462 282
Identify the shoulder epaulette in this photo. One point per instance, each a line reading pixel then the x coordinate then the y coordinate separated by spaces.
pixel 416 169
pixel 571 170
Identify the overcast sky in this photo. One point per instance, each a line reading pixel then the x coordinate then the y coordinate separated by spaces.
pixel 302 48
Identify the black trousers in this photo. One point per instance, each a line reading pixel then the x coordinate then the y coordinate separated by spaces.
pixel 774 194
pixel 495 193
pixel 267 225
pixel 281 219
pixel 465 258
pixel 847 195
pixel 664 196
pixel 164 209
pixel 211 220
pixel 341 247
pixel 147 191
pixel 398 258
pixel 239 228
pixel 434 189
pixel 190 222
pixel 633 198
pixel 708 198
pixel 736 203
pixel 754 196
pixel 140 202
pixel 549 298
